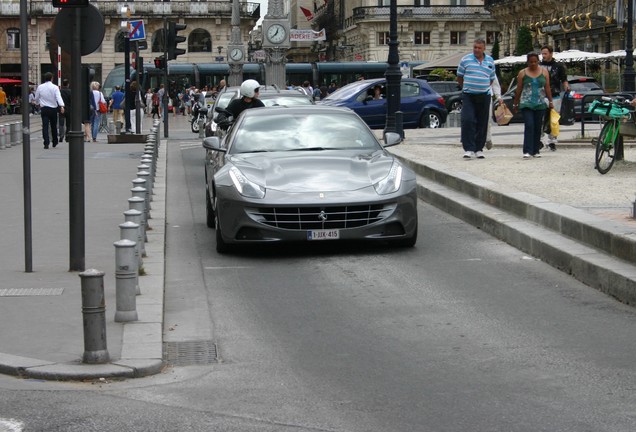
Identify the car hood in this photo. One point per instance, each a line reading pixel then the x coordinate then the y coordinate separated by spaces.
pixel 314 171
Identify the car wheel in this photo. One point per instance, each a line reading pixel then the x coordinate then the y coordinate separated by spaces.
pixel 221 246
pixel 209 211
pixel 456 106
pixel 434 121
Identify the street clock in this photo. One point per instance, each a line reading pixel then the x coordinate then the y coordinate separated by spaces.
pixel 276 34
pixel 236 54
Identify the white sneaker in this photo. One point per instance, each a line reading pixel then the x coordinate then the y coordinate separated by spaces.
pixel 527 155
pixel 537 155
pixel 469 155
pixel 480 155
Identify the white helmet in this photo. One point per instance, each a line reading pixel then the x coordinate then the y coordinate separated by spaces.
pixel 249 88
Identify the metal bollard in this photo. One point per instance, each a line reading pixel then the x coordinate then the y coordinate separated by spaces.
pixel 94 316
pixel 146 176
pixel 125 281
pixel 201 127
pixel 129 231
pixel 16 128
pixel 135 217
pixel 151 168
pixel 141 192
pixel 3 137
pixel 136 203
pixel 146 168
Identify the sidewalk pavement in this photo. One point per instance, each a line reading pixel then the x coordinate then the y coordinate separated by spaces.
pixel 41 311
pixel 584 227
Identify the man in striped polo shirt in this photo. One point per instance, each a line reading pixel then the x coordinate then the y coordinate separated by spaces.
pixel 475 74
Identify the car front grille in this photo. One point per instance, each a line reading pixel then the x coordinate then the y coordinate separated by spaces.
pixel 311 218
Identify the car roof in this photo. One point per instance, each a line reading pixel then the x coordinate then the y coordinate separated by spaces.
pixel 306 109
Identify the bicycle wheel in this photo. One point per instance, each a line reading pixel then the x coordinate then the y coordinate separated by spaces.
pixel 606 146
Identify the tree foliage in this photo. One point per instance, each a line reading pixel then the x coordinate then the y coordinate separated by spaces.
pixel 524 40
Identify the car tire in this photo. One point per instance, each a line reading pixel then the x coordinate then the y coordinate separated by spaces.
pixel 210 220
pixel 456 106
pixel 434 120
pixel 221 246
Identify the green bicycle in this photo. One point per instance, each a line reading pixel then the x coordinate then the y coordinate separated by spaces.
pixel 619 122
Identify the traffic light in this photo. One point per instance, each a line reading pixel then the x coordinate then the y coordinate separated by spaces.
pixel 173 40
pixel 160 62
pixel 69 3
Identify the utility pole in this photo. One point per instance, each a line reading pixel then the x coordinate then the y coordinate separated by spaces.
pixel 393 74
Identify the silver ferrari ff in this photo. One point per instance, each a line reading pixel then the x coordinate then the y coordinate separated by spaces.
pixel 306 174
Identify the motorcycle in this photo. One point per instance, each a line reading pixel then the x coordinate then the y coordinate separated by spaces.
pixel 199 115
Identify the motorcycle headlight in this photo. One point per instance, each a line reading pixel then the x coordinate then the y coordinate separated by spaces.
pixel 244 186
pixel 391 183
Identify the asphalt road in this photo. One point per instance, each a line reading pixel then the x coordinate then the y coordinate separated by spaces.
pixel 460 333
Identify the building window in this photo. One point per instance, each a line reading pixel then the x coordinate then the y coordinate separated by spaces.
pixel 384 2
pixel 199 41
pixel 422 3
pixel 490 37
pixel 422 38
pixel 383 38
pixel 157 41
pixel 120 41
pixel 458 38
pixel 13 38
pixel 47 40
pixel 458 2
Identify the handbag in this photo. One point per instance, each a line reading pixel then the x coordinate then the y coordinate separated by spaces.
pixel 102 107
pixel 503 114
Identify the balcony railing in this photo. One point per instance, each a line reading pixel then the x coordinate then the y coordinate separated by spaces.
pixel 422 12
pixel 110 8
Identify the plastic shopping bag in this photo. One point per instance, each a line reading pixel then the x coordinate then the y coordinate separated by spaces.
pixel 554 122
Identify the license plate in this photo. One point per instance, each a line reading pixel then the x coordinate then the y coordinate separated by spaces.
pixel 323 235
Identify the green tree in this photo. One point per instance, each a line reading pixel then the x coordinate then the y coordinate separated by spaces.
pixel 495 49
pixel 524 40
pixel 445 75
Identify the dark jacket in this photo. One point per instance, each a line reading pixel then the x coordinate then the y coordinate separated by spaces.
pixel 557 74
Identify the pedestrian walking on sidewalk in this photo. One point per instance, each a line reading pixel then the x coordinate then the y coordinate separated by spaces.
pixel 558 80
pixel 533 88
pixel 65 119
pixel 475 74
pixel 495 92
pixel 97 116
pixel 49 99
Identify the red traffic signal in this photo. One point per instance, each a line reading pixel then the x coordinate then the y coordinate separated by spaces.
pixel 69 3
pixel 160 62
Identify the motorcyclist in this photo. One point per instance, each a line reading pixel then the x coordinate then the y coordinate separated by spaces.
pixel 248 99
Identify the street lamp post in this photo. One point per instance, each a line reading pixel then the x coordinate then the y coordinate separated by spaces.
pixel 628 74
pixel 393 74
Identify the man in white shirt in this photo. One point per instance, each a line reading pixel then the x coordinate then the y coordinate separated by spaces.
pixel 49 98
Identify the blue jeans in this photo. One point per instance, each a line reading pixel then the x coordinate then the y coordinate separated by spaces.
pixel 475 110
pixel 96 120
pixel 532 120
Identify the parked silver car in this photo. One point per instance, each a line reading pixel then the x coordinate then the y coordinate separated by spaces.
pixel 306 174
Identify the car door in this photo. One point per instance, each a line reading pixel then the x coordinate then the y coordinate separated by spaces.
pixel 412 102
pixel 372 111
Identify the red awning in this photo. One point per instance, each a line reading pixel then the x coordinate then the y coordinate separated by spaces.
pixel 9 81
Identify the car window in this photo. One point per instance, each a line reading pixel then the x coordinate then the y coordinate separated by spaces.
pixel 580 87
pixel 286 101
pixel 409 89
pixel 297 132
pixel 348 91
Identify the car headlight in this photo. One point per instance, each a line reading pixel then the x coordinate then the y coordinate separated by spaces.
pixel 244 186
pixel 391 183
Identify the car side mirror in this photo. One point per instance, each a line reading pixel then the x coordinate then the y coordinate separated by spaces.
pixel 213 143
pixel 392 138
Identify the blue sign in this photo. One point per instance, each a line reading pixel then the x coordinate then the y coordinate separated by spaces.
pixel 137 31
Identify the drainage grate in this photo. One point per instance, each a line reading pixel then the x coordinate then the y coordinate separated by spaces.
pixel 190 353
pixel 23 292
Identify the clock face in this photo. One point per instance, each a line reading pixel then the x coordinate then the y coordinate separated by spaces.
pixel 276 33
pixel 236 54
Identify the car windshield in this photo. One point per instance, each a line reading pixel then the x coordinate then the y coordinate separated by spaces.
pixel 286 101
pixel 585 86
pixel 301 132
pixel 345 92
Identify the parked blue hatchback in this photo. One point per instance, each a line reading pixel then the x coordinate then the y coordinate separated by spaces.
pixel 368 99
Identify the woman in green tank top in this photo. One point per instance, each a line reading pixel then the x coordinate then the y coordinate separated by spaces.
pixel 533 88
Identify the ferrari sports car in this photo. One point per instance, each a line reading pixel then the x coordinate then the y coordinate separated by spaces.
pixel 306 174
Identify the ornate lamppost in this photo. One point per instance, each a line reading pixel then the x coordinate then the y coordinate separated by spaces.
pixel 393 74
